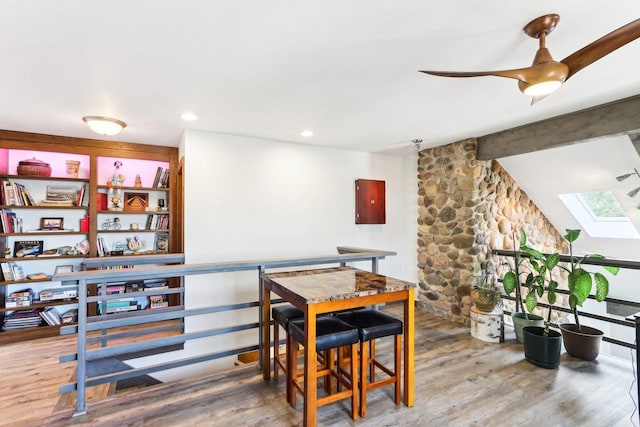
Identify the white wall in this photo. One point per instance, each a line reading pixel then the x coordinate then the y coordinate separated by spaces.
pixel 248 198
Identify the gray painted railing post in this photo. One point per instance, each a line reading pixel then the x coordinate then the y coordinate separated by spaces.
pixel 260 323
pixel 374 265
pixel 636 318
pixel 81 408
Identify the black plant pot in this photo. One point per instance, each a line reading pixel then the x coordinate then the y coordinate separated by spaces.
pixel 540 350
pixel 584 345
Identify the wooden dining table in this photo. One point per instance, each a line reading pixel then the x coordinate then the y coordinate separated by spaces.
pixel 327 290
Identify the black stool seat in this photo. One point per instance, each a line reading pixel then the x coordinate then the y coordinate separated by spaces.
pixel 331 332
pixel 372 324
pixel 283 314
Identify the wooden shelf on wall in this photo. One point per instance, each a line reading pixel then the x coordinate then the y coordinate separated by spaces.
pixel 92 152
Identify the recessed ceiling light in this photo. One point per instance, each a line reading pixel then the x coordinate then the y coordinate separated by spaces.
pixel 189 116
pixel 306 133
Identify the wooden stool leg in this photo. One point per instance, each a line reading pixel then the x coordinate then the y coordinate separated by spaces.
pixel 330 363
pixel 276 349
pixel 397 359
pixel 364 358
pixel 292 371
pixel 372 356
pixel 354 381
pixel 289 361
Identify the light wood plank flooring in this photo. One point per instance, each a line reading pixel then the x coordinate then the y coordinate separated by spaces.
pixel 460 381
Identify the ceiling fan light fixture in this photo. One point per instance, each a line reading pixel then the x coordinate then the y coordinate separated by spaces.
pixel 542 88
pixel 104 125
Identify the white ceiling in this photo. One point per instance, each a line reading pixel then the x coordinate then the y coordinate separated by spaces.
pixel 345 69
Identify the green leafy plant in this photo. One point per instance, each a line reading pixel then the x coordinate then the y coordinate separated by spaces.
pixel 538 282
pixel 485 292
pixel 580 281
pixel 512 280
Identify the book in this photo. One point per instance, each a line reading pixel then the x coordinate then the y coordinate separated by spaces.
pixel 6 271
pixel 156 181
pixel 51 316
pixel 157 301
pixel 80 196
pixel 22 293
pixel 102 201
pixel 16 270
pixel 9 194
pixel 69 316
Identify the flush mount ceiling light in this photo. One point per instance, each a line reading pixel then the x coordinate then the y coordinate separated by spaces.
pixel 189 116
pixel 306 133
pixel 104 125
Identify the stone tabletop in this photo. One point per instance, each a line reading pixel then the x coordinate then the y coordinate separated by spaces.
pixel 329 284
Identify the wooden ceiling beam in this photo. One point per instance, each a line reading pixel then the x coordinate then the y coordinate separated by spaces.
pixel 614 118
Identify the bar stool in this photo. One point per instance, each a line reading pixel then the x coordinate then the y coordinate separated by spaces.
pixel 331 333
pixel 373 324
pixel 282 315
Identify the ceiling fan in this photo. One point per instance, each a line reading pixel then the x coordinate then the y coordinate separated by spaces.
pixel 546 75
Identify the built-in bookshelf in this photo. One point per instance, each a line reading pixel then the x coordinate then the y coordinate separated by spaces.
pixel 52 219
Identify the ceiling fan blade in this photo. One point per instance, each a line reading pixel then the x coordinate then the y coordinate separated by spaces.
pixel 518 74
pixel 601 47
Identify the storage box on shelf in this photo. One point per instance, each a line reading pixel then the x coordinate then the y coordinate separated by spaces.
pixel 51 190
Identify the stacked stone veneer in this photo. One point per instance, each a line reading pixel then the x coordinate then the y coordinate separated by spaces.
pixel 467 208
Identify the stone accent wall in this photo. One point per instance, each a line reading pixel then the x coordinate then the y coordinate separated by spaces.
pixel 466 208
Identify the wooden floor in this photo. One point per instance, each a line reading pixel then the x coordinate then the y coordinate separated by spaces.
pixel 460 381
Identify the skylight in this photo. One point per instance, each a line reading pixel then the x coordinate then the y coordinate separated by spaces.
pixel 600 214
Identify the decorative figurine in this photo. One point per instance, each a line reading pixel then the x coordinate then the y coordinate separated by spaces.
pixel 115 187
pixel 138 182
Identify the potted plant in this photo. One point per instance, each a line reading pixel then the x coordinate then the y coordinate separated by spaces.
pixel 484 293
pixel 512 282
pixel 582 341
pixel 542 345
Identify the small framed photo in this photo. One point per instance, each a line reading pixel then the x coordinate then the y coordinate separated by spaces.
pixel 162 243
pixel 23 248
pixel 136 202
pixel 64 269
pixel 51 223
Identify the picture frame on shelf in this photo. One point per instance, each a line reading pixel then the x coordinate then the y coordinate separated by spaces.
pixel 61 195
pixel 64 269
pixel 83 247
pixel 49 223
pixel 25 248
pixel 136 202
pixel 161 244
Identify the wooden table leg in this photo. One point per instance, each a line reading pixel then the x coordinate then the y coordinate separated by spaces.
pixel 266 331
pixel 310 361
pixel 409 354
